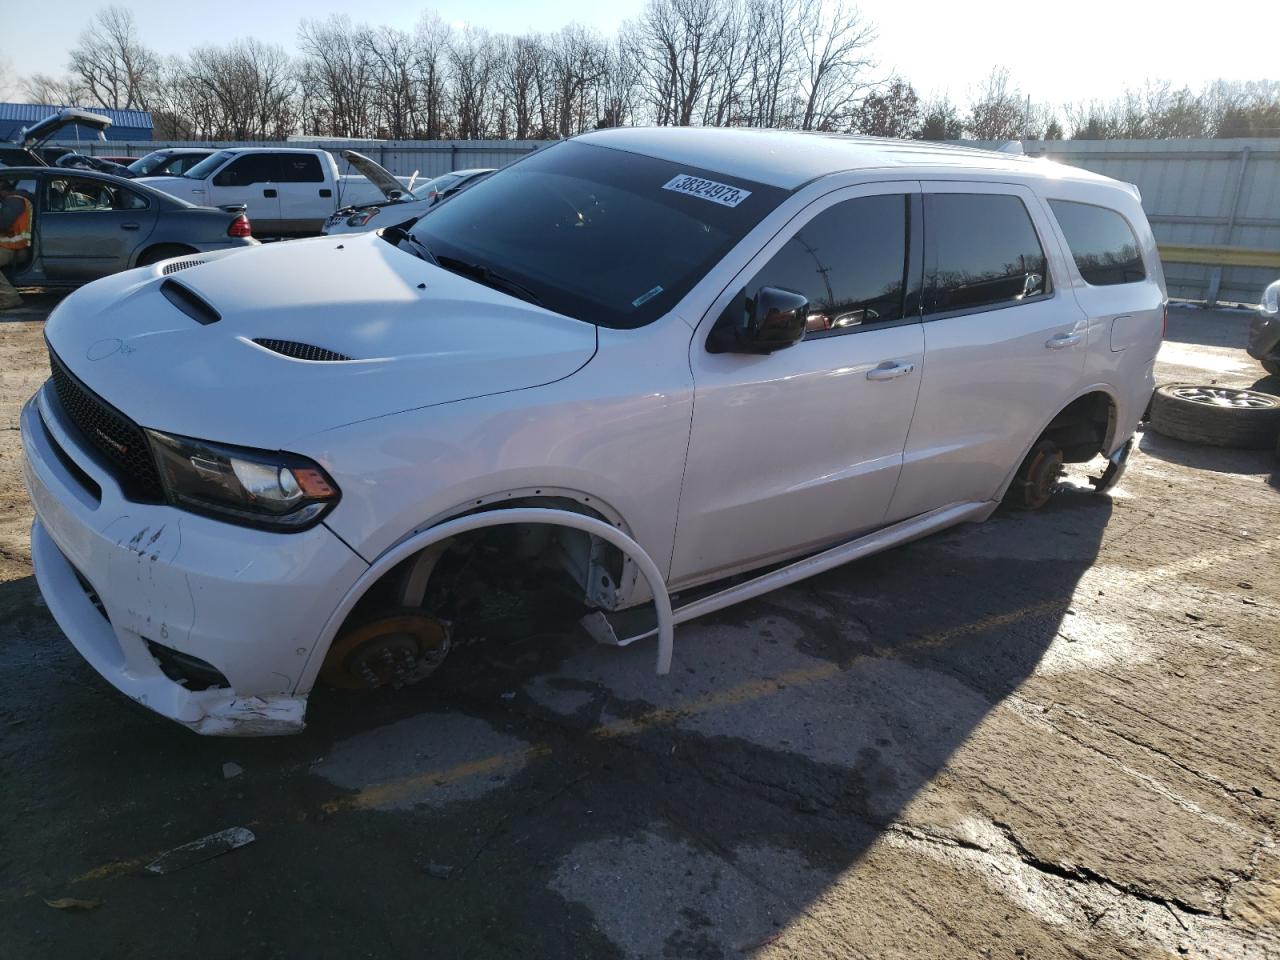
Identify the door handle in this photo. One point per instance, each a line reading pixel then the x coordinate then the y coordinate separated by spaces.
pixel 130 226
pixel 1062 340
pixel 326 192
pixel 890 370
pixel 268 193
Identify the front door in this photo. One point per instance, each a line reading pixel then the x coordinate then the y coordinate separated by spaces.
pixel 88 227
pixel 250 179
pixel 802 447
pixel 1005 343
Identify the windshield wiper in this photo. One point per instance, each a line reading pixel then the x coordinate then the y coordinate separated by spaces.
pixel 398 235
pixel 485 275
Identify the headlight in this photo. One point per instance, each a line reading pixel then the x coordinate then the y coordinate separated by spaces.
pixel 1271 299
pixel 280 491
pixel 360 219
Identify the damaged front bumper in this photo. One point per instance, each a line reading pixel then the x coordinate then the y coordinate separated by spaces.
pixel 204 622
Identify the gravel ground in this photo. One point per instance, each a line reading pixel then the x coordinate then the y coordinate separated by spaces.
pixel 1050 735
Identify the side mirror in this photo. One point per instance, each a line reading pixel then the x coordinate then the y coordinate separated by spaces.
pixel 773 320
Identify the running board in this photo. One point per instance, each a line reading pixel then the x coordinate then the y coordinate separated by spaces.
pixel 602 631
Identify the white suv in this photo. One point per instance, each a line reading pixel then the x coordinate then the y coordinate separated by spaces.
pixel 636 363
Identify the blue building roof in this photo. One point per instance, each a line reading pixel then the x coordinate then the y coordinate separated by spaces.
pixel 125 124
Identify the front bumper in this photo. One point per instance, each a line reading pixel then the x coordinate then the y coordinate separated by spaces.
pixel 249 603
pixel 1264 337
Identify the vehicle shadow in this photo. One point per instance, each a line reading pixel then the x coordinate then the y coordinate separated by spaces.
pixel 1201 457
pixel 553 799
pixel 1208 327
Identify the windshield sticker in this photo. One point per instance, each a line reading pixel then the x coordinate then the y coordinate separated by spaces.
pixel 646 297
pixel 720 193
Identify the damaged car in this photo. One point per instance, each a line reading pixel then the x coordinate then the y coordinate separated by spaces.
pixel 402 202
pixel 664 370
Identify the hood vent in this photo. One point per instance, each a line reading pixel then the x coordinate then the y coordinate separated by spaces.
pixel 189 302
pixel 302 351
pixel 180 265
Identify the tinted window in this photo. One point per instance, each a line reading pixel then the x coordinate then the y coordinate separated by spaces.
pixel 250 168
pixel 1102 243
pixel 300 168
pixel 208 165
pixel 849 261
pixel 606 236
pixel 981 249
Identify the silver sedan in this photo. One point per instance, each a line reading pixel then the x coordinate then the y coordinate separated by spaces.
pixel 88 225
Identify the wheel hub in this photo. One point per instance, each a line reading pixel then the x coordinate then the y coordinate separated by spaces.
pixel 392 651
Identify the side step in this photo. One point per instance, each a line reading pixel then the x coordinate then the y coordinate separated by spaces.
pixel 601 626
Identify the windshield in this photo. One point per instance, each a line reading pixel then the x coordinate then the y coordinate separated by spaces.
pixel 209 164
pixel 608 237
pixel 423 190
pixel 150 162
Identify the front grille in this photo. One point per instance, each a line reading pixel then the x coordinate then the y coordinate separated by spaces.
pixel 301 351
pixel 110 432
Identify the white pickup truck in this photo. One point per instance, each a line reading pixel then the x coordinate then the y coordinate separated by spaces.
pixel 288 191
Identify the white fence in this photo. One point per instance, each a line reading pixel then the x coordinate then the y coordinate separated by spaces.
pixel 1214 199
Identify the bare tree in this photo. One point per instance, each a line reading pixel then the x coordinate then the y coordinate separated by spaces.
pixel 1000 111
pixel 473 66
pixel 338 77
pixel 57 91
pixel 677 44
pixel 431 38
pixel 835 63
pixel 116 69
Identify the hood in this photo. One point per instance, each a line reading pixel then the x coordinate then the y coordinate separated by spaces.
pixel 375 173
pixel 43 130
pixel 417 336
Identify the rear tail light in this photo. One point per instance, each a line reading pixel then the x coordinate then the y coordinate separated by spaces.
pixel 240 227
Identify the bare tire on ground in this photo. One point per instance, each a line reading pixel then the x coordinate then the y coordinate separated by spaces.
pixel 1217 416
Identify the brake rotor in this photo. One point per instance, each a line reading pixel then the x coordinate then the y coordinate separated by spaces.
pixel 1038 478
pixel 392 651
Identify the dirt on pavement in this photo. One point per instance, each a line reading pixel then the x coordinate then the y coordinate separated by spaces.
pixel 1050 735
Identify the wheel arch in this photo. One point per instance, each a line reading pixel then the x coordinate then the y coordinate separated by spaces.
pixel 172 249
pixel 640 576
pixel 1102 397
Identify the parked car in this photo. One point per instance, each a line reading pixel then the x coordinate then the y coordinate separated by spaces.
pixel 288 192
pixel 1264 332
pixel 626 367
pixel 88 225
pixel 170 162
pixel 401 203
pixel 29 145
pixel 83 161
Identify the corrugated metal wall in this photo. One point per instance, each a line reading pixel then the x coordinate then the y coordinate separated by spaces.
pixel 1201 192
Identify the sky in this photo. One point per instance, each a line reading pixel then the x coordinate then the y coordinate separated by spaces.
pixel 1056 53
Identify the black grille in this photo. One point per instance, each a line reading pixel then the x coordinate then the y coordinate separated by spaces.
pixel 301 351
pixel 110 432
pixel 180 265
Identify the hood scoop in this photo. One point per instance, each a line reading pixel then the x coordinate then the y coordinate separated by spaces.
pixel 189 302
pixel 180 265
pixel 301 351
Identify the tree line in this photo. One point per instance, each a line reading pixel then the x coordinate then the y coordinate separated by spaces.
pixel 792 64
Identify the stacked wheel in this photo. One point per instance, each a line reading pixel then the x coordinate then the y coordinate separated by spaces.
pixel 1216 416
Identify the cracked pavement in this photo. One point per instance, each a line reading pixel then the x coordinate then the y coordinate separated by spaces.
pixel 1050 735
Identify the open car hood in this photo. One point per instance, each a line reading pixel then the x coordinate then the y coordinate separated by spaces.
pixel 375 173
pixel 42 131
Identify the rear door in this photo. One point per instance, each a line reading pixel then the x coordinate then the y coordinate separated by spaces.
pixel 802 447
pixel 89 228
pixel 306 197
pixel 1005 343
pixel 251 179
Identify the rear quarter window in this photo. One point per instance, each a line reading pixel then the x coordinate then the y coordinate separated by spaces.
pixel 1102 243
